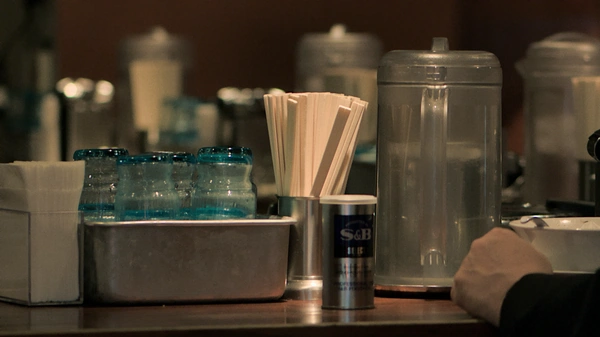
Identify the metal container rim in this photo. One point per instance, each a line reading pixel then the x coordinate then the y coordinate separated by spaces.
pixel 272 221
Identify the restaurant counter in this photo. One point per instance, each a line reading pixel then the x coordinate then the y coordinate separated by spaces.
pixel 391 317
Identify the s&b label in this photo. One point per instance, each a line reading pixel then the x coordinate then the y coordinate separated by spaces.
pixel 353 235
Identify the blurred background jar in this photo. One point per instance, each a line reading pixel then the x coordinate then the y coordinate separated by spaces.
pixel 146 189
pixel 342 62
pixel 224 188
pixel 183 125
pixel 97 200
pixel 152 68
pixel 555 131
pixel 345 62
pixel 184 167
pixel 87 119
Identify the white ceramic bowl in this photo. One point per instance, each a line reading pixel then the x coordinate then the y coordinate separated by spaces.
pixel 571 244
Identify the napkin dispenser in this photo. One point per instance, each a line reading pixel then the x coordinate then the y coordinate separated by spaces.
pixel 40 240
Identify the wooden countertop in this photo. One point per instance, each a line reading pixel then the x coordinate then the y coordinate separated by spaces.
pixel 391 316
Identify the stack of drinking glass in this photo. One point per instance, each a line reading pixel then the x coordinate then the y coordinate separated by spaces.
pixel 214 185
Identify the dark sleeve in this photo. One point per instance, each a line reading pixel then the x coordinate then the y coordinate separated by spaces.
pixel 552 305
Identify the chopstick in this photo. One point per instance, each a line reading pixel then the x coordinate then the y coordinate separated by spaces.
pixel 330 150
pixel 342 178
pixel 313 139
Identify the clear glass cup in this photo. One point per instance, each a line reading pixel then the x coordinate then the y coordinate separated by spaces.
pixel 224 187
pixel 146 188
pixel 97 200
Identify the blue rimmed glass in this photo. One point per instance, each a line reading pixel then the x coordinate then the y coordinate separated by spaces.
pixel 224 187
pixel 97 200
pixel 146 189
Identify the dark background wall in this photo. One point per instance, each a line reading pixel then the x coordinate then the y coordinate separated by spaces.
pixel 240 42
pixel 251 43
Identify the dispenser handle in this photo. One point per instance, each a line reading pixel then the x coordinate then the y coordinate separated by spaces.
pixel 434 136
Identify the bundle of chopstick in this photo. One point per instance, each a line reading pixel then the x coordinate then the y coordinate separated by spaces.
pixel 313 139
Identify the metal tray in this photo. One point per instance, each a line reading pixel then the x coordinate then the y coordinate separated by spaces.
pixel 185 261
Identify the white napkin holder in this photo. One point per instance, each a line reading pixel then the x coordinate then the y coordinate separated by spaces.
pixel 41 244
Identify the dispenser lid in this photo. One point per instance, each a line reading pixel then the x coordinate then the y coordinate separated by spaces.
pixel 439 65
pixel 338 48
pixel 566 51
pixel 157 44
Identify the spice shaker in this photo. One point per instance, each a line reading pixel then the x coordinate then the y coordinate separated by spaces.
pixel 348 259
